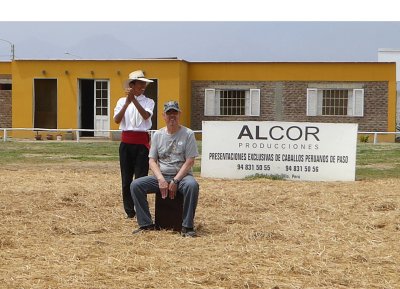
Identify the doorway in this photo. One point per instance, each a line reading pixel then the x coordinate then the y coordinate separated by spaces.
pixel 94 102
pixel 86 107
pixel 45 103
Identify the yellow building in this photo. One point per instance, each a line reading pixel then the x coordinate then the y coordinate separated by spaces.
pixel 81 94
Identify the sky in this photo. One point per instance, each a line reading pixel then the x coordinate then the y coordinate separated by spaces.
pixel 229 33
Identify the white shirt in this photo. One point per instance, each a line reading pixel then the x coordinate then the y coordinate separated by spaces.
pixel 125 124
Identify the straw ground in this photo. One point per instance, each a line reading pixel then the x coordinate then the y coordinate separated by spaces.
pixel 63 227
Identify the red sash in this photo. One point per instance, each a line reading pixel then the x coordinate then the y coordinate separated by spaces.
pixel 136 137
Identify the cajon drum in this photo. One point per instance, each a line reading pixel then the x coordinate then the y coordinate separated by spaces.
pixel 168 213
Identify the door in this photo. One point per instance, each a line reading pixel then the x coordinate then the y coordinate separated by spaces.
pixel 45 103
pixel 101 108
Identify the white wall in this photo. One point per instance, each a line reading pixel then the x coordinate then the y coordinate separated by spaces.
pixel 392 55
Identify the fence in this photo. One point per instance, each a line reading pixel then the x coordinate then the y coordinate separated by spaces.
pixel 375 134
pixel 70 130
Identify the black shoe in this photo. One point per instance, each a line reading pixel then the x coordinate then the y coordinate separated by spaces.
pixel 151 227
pixel 130 216
pixel 188 232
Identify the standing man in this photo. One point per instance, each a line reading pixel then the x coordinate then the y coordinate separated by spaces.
pixel 172 154
pixel 133 114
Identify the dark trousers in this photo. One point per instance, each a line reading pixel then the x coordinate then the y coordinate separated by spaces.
pixel 133 160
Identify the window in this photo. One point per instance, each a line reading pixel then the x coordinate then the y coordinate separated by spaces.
pixel 335 102
pixel 101 97
pixel 5 86
pixel 232 102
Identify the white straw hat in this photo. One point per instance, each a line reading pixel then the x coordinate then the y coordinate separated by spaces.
pixel 136 75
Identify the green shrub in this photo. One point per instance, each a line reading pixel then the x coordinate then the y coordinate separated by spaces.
pixel 264 176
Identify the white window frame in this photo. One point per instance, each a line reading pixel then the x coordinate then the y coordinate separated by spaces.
pixel 212 102
pixel 355 105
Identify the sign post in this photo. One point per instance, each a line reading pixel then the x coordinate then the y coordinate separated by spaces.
pixel 290 150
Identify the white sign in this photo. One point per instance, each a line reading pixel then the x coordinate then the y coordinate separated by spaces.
pixel 289 150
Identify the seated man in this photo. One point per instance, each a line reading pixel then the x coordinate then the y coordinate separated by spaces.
pixel 171 157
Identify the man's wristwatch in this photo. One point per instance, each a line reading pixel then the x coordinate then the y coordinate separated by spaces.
pixel 176 182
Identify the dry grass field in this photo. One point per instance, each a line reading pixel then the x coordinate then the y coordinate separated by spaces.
pixel 62 226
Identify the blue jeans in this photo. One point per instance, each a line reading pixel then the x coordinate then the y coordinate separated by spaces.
pixel 188 186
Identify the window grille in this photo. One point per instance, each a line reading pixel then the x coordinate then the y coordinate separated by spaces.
pixel 232 102
pixel 334 101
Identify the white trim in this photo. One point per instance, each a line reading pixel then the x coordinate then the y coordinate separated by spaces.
pixel 209 102
pixel 255 95
pixel 312 102
pixel 358 102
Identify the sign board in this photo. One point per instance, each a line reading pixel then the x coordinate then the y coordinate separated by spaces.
pixel 290 150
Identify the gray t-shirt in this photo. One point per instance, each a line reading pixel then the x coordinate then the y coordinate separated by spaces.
pixel 171 151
